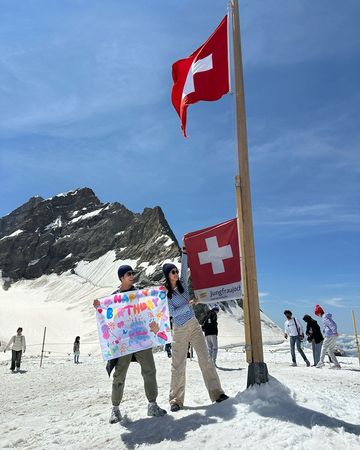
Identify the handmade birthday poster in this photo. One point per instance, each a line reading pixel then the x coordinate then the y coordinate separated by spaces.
pixel 132 321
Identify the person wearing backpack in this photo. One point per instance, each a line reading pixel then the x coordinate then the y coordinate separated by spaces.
pixel 314 336
pixel 293 329
pixel 210 328
pixel 18 348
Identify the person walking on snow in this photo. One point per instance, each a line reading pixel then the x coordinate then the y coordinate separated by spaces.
pixel 187 329
pixel 294 330
pixel 210 328
pixel 76 349
pixel 331 334
pixel 18 348
pixel 315 336
pixel 144 357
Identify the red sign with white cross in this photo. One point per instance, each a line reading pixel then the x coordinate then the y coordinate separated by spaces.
pixel 214 260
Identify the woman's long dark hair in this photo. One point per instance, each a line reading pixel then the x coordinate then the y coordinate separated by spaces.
pixel 170 290
pixel 77 339
pixel 307 318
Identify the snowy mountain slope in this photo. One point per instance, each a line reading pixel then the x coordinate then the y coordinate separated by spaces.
pixel 231 326
pixel 63 303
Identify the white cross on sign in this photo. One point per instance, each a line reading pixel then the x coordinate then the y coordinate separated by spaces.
pixel 201 65
pixel 215 255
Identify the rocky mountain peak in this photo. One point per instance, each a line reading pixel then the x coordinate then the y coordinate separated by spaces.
pixel 44 236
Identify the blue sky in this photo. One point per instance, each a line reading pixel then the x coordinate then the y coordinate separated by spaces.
pixel 85 101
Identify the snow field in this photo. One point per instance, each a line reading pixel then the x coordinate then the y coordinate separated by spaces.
pixel 64 405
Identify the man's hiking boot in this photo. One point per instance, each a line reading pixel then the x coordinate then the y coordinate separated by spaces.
pixel 155 410
pixel 115 415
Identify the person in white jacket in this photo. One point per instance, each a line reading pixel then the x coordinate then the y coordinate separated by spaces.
pixel 18 348
pixel 294 330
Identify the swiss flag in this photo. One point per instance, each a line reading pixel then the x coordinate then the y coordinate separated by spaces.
pixel 204 75
pixel 214 260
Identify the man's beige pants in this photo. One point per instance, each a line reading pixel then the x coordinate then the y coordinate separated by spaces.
pixel 191 332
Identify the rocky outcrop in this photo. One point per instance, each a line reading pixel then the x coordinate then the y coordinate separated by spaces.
pixel 52 235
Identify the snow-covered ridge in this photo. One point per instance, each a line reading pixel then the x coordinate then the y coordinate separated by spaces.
pixel 88 215
pixel 168 242
pixel 15 233
pixel 64 194
pixel 33 262
pixel 57 223
pixel 149 269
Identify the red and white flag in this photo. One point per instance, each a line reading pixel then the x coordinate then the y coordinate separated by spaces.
pixel 204 75
pixel 214 261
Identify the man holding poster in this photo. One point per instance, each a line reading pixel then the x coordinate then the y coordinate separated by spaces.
pixel 123 331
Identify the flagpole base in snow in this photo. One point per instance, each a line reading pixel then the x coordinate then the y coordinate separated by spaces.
pixel 257 374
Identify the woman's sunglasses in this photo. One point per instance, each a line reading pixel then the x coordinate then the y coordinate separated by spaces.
pixel 174 271
pixel 130 274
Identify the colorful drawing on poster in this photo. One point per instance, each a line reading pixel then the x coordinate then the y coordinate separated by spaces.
pixel 133 321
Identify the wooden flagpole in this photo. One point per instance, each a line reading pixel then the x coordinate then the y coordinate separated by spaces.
pixel 257 371
pixel 356 335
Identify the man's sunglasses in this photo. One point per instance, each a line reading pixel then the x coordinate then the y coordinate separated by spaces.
pixel 174 271
pixel 130 274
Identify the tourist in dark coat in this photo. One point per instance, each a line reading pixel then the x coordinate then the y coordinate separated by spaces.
pixel 210 328
pixel 76 349
pixel 314 336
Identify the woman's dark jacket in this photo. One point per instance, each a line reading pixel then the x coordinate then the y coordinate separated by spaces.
pixel 209 324
pixel 313 331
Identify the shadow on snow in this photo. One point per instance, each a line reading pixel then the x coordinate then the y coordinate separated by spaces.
pixel 275 400
pixel 156 429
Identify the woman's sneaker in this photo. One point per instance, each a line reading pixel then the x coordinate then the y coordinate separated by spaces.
pixel 115 415
pixel 319 365
pixel 155 410
pixel 175 407
pixel 222 398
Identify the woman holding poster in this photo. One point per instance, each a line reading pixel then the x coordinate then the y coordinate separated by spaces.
pixel 186 329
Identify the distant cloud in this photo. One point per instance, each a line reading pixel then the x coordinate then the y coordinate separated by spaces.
pixel 301 33
pixel 343 285
pixel 308 215
pixel 312 178
pixel 338 302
